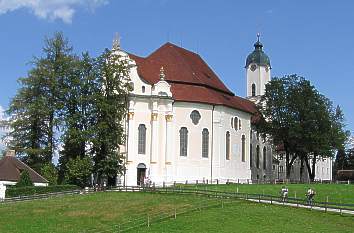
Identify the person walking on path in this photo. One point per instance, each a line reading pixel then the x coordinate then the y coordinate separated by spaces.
pixel 284 193
pixel 310 196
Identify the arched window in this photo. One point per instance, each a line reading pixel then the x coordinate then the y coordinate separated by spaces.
pixel 183 141
pixel 141 139
pixel 264 158
pixel 251 156
pixel 205 143
pixel 236 123
pixel 243 148
pixel 143 89
pixel 232 122
pixel 257 156
pixel 227 143
pixel 253 89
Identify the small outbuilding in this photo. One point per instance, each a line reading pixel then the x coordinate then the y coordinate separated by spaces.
pixel 11 169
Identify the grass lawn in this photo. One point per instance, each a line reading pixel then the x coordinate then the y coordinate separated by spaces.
pixel 101 211
pixel 335 192
pixel 252 217
pixel 83 212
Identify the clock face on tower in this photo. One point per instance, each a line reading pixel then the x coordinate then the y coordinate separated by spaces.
pixel 253 67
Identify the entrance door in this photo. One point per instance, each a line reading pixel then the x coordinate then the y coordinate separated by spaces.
pixel 141 173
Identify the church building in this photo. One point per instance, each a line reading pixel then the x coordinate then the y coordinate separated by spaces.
pixel 185 124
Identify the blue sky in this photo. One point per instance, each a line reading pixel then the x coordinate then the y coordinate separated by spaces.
pixel 310 38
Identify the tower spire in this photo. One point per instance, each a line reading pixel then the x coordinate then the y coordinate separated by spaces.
pixel 116 42
pixel 258 36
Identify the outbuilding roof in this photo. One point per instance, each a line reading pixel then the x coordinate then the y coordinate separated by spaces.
pixel 190 77
pixel 11 168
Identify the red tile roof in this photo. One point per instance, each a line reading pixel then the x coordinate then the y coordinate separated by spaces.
pixel 11 168
pixel 192 80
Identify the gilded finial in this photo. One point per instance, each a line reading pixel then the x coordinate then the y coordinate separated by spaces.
pixel 162 73
pixel 116 42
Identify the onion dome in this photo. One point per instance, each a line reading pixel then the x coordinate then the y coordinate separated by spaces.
pixel 258 56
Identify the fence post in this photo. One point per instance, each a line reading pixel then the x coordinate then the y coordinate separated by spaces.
pixel 217 181
pixel 222 204
pixel 326 203
pixel 148 222
pixel 246 196
pixel 175 215
pixel 340 207
pixel 186 181
pixel 207 181
pixel 118 228
pixel 271 200
pixel 259 198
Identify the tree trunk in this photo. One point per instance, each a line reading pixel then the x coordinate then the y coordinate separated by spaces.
pixel 302 169
pixel 312 171
pixel 289 165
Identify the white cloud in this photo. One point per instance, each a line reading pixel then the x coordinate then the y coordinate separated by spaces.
pixel 50 9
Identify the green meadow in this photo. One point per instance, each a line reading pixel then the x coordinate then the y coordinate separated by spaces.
pixel 107 211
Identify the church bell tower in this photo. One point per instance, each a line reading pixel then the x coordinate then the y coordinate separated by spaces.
pixel 257 71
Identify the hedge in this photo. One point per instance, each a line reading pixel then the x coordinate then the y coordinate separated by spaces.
pixel 12 191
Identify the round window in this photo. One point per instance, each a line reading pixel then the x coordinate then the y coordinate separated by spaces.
pixel 195 116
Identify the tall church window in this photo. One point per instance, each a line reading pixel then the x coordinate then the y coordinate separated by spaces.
pixel 141 139
pixel 257 156
pixel 264 158
pixel 243 148
pixel 205 143
pixel 239 124
pixel 236 123
pixel 253 89
pixel 251 157
pixel 232 122
pixel 227 145
pixel 183 141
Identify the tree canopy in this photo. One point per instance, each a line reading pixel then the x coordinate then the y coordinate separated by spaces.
pixel 73 105
pixel 302 121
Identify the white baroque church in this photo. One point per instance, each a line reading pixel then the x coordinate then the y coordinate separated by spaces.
pixel 185 124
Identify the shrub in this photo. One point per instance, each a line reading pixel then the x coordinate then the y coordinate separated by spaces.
pixel 13 191
pixel 50 172
pixel 25 179
pixel 79 171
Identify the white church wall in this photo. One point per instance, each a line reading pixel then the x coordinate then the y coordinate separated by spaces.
pixel 259 173
pixel 234 168
pixel 193 166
